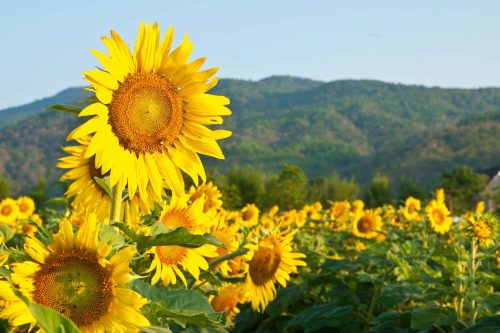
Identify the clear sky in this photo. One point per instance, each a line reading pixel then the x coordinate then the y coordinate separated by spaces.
pixel 452 43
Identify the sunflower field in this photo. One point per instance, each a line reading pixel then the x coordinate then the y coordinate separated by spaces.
pixel 132 248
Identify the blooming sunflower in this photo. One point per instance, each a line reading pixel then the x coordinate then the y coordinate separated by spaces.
pixel 167 259
pixel 74 277
pixel 412 208
pixel 228 235
pixel 26 207
pixel 271 260
pixel 212 195
pixel 439 216
pixel 250 214
pixel 227 299
pixel 367 225
pixel 149 121
pixel 9 211
pixel 87 193
pixel 484 228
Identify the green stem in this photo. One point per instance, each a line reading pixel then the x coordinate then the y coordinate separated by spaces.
pixel 472 270
pixel 229 256
pixel 116 204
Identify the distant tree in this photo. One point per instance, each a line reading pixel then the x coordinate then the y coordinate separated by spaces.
pixel 288 190
pixel 378 192
pixel 248 181
pixel 333 188
pixel 462 186
pixel 231 197
pixel 40 192
pixel 408 188
pixel 4 187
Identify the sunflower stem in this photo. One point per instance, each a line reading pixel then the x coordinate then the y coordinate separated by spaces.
pixel 116 204
pixel 229 256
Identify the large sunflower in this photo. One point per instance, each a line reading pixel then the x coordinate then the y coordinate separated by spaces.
pixel 149 121
pixel 271 260
pixel 168 259
pixel 74 277
pixel 87 194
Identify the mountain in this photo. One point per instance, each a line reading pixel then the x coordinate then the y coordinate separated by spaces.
pixel 354 127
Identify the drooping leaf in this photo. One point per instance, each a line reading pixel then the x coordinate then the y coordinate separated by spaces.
pixel 181 306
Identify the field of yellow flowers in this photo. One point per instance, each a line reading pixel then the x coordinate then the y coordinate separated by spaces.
pixel 130 248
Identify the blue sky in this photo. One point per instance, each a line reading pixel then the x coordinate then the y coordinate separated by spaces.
pixel 44 44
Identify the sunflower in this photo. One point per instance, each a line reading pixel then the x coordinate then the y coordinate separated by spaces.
pixel 439 216
pixel 26 207
pixel 9 211
pixel 212 195
pixel 271 260
pixel 228 235
pixel 484 228
pixel 227 299
pixel 357 207
pixel 250 214
pixel 412 208
pixel 74 277
pixel 149 121
pixel 167 259
pixel 368 225
pixel 88 196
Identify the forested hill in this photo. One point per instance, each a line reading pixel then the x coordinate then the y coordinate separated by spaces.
pixel 356 128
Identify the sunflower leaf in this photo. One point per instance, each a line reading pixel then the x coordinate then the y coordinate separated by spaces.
pixel 183 307
pixel 104 184
pixel 65 108
pixel 180 237
pixel 48 319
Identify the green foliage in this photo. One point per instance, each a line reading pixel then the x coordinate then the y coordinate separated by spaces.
pixel 40 192
pixel 379 192
pixel 463 185
pixel 355 127
pixel 333 188
pixel 180 236
pixel 181 307
pixel 408 188
pixel 240 186
pixel 4 187
pixel 289 189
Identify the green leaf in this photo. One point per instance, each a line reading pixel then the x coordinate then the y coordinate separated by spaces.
pixel 66 108
pixel 108 234
pixel 180 236
pixel 48 319
pixel 181 306
pixel 423 319
pixel 155 329
pixel 104 184
pixel 323 316
pixel 487 325
pixel 6 232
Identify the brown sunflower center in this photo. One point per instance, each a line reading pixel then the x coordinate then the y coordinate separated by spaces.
pixel 24 207
pixel 171 254
pixel 438 216
pixel 264 265
pixel 76 286
pixel 6 210
pixel 249 214
pixel 145 113
pixel 364 225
